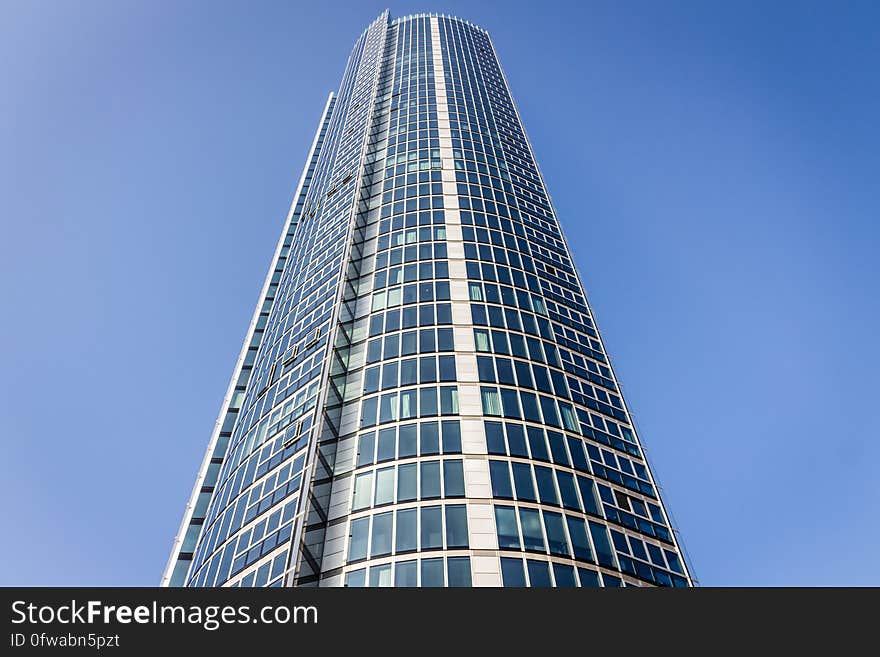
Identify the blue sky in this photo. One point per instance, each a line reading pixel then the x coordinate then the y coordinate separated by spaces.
pixel 714 166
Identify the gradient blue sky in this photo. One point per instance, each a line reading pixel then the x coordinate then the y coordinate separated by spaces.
pixel 714 166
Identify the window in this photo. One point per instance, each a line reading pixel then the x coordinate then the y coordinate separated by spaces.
pixel 491 401
pixel 538 444
pixel 366 447
pixel 430 438
pixel 384 486
pixel 453 478
pixel 451 437
pixel 546 487
pixel 407 482
pixel 539 573
pixel 356 578
pixel 408 438
pixel 556 539
pixel 432 529
pixel 516 440
pixel 604 555
pixel 505 522
pixel 406 573
pixel 500 476
pixel 363 484
pixel 522 479
pixel 381 540
pixel 386 444
pixel 533 536
pixel 357 542
pixel 589 578
pixel 380 575
pixel 449 401
pixel 459 571
pixel 580 544
pixel 430 479
pixel 494 438
pixel 432 572
pixel 456 526
pixel 407 539
pixel 564 575
pixel 512 573
pixel 567 490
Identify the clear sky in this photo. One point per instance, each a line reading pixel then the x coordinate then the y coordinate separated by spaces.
pixel 714 165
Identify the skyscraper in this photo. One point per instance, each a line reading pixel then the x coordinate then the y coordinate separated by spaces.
pixel 422 397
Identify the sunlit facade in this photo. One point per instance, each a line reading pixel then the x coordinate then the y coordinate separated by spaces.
pixel 423 397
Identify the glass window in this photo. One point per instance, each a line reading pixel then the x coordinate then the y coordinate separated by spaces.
pixel 548 408
pixel 445 339
pixel 539 573
pixel 604 555
pixel 500 476
pixel 546 486
pixel 449 401
pixel 432 572
pixel 564 575
pixel 589 578
pixel 459 571
pixel 567 490
pixel 380 575
pixel 556 539
pixel 456 526
pixel 408 404
pixel 407 526
pixel 576 447
pixel 491 401
pixel 387 444
pixel 453 478
pixel 427 369
pixel 580 544
pixel 371 379
pixel 381 540
pixel 505 522
pixel 447 368
pixel 430 443
pixel 408 372
pixel 451 437
pixel 406 573
pixel 366 448
pixel 510 402
pixel 588 495
pixel 538 444
pixel 512 573
pixel 432 528
pixel 430 479
pixel 357 542
pixel 368 411
pixel 407 482
pixel 356 578
pixel 530 406
pixel 557 448
pixel 388 408
pixel 485 369
pixel 384 486
pixel 481 339
pixel 516 439
pixel 363 484
pixel 408 440
pixel 427 402
pixel 522 480
pixel 533 536
pixel 389 375
pixel 494 438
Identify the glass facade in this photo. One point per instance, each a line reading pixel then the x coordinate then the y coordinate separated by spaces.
pixel 423 398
